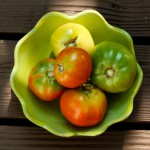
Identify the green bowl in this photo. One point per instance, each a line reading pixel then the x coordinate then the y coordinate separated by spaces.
pixel 35 46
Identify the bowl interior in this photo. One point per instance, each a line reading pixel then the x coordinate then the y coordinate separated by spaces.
pixel 35 46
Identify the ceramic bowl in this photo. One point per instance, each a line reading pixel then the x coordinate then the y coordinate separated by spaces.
pixel 35 46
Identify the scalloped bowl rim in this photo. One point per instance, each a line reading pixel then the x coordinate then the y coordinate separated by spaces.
pixel 23 104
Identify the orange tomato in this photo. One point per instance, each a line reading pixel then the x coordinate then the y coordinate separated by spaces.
pixel 73 67
pixel 83 107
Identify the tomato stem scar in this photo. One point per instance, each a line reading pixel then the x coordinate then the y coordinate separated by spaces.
pixel 87 88
pixel 109 72
pixel 71 43
pixel 50 73
pixel 61 67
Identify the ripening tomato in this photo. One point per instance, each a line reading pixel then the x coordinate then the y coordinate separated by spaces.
pixel 83 107
pixel 42 81
pixel 73 67
pixel 69 35
pixel 114 67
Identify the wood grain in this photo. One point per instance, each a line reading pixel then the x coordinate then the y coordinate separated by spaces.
pixel 19 16
pixel 137 140
pixel 10 106
pixel 6 64
pixel 35 138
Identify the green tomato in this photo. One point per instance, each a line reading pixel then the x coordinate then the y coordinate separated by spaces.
pixel 72 35
pixel 114 67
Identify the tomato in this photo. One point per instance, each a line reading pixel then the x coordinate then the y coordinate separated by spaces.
pixel 114 67
pixel 73 67
pixel 83 106
pixel 71 34
pixel 42 82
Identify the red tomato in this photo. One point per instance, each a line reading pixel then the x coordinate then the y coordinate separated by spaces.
pixel 83 107
pixel 73 67
pixel 42 82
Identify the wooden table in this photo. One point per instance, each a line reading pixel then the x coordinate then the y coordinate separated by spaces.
pixel 17 17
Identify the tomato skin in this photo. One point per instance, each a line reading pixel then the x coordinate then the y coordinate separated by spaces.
pixel 114 67
pixel 82 108
pixel 41 81
pixel 73 67
pixel 71 34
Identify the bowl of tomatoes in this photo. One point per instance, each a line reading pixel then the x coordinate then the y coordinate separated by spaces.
pixel 76 75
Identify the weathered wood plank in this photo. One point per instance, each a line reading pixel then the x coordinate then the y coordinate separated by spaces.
pixel 137 139
pixel 36 138
pixel 10 105
pixel 6 64
pixel 20 16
